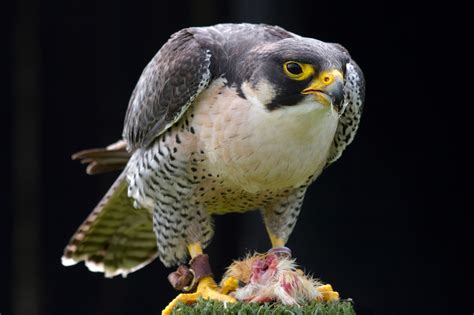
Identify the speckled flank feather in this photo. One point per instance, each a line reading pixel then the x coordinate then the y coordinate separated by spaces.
pixel 162 179
pixel 115 238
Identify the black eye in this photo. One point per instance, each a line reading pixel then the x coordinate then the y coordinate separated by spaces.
pixel 294 68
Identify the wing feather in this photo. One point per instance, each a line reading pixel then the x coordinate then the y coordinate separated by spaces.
pixel 354 94
pixel 167 87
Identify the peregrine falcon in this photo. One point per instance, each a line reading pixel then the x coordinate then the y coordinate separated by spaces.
pixel 227 118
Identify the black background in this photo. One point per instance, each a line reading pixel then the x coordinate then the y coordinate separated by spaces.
pixel 387 225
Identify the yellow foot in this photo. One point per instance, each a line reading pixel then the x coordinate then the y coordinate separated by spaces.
pixel 229 284
pixel 207 289
pixel 328 293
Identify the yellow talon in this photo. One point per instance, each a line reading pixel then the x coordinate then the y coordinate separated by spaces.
pixel 330 296
pixel 325 288
pixel 229 284
pixel 207 289
pixel 328 293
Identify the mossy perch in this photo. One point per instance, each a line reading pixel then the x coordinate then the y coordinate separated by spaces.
pixel 341 307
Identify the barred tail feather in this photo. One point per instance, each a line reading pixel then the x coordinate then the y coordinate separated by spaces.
pixel 112 158
pixel 116 238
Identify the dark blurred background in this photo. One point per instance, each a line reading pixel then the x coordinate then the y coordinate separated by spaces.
pixel 387 225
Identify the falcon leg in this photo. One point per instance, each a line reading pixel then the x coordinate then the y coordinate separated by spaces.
pixel 206 288
pixel 276 241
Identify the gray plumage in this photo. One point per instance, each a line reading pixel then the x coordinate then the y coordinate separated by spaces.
pixel 167 86
pixel 215 127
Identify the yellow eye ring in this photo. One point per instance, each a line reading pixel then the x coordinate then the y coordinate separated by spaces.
pixel 297 70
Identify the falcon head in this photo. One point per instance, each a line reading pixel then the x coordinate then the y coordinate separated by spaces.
pixel 296 71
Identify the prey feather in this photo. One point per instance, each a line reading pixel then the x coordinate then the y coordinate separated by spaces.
pixel 273 278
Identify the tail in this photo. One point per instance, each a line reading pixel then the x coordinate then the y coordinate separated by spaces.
pixel 115 238
pixel 113 157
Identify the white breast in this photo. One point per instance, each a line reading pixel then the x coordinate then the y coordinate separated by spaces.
pixel 256 149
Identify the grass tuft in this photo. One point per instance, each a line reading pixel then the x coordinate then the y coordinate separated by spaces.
pixel 342 307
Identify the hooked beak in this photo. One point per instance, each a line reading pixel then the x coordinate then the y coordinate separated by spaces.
pixel 328 88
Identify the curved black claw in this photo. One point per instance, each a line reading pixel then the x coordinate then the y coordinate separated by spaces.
pixel 280 251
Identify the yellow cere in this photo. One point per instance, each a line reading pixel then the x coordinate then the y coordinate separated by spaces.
pixel 305 70
pixel 325 79
pixel 328 77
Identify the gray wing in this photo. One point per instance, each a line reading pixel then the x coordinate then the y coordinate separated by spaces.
pixel 167 87
pixel 354 94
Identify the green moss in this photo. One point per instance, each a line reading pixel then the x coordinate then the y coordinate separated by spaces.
pixel 343 307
